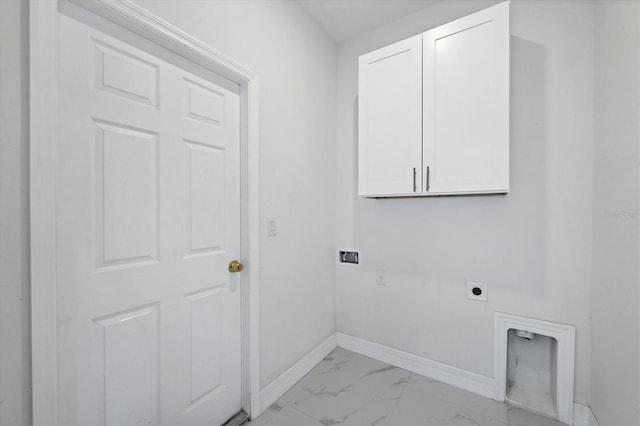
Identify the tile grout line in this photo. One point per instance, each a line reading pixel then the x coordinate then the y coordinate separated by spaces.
pixel 455 403
pixel 393 410
pixel 291 404
pixel 305 414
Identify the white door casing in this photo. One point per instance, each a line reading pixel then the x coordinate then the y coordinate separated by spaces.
pixel 140 219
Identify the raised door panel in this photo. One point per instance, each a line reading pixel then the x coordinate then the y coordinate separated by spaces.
pixel 130 361
pixel 466 104
pixel 205 198
pixel 126 161
pixel 205 330
pixel 390 128
pixel 126 75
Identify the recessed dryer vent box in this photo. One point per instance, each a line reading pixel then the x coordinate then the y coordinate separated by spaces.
pixel 534 365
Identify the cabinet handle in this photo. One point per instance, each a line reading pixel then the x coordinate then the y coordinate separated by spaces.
pixel 414 180
pixel 428 175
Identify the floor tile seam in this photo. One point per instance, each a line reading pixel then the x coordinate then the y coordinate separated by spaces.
pixel 360 386
pixel 466 408
pixel 361 405
pixel 318 421
pixel 353 379
pixel 438 396
pixel 343 364
pixel 304 414
pixel 395 406
pixel 293 405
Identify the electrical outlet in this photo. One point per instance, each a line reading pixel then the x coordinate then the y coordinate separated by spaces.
pixel 381 277
pixel 477 291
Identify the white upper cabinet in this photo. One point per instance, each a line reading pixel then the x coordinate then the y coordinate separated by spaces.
pixel 390 127
pixel 460 143
pixel 466 103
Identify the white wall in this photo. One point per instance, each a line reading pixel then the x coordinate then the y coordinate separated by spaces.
pixel 295 62
pixel 532 246
pixel 15 355
pixel 615 397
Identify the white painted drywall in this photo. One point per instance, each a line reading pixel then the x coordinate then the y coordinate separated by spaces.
pixel 532 247
pixel 614 308
pixel 15 355
pixel 295 61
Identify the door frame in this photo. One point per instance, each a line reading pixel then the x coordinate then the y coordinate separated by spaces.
pixel 43 99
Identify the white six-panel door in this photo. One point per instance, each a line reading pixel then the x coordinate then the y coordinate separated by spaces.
pixel 148 217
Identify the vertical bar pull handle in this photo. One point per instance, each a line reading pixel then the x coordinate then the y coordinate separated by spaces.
pixel 414 180
pixel 428 175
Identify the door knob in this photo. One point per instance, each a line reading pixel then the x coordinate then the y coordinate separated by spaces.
pixel 235 266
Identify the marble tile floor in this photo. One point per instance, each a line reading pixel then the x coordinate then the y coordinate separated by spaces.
pixel 351 389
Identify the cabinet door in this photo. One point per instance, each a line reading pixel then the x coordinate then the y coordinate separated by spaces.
pixel 390 139
pixel 466 104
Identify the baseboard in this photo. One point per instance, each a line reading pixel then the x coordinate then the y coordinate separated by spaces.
pixel 583 416
pixel 453 376
pixel 282 384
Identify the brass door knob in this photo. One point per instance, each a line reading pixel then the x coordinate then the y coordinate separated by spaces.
pixel 235 266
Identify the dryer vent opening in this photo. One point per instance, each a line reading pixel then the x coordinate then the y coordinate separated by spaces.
pixel 532 371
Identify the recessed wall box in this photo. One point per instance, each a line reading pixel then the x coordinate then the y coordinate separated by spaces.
pixel 348 257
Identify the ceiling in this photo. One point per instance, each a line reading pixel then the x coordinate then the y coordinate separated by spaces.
pixel 346 19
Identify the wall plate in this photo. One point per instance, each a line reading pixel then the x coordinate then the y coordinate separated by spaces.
pixel 272 226
pixel 477 291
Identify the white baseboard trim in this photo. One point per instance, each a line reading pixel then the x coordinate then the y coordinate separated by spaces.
pixel 282 384
pixel 453 376
pixel 583 416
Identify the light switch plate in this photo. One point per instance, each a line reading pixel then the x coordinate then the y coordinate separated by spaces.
pixel 272 226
